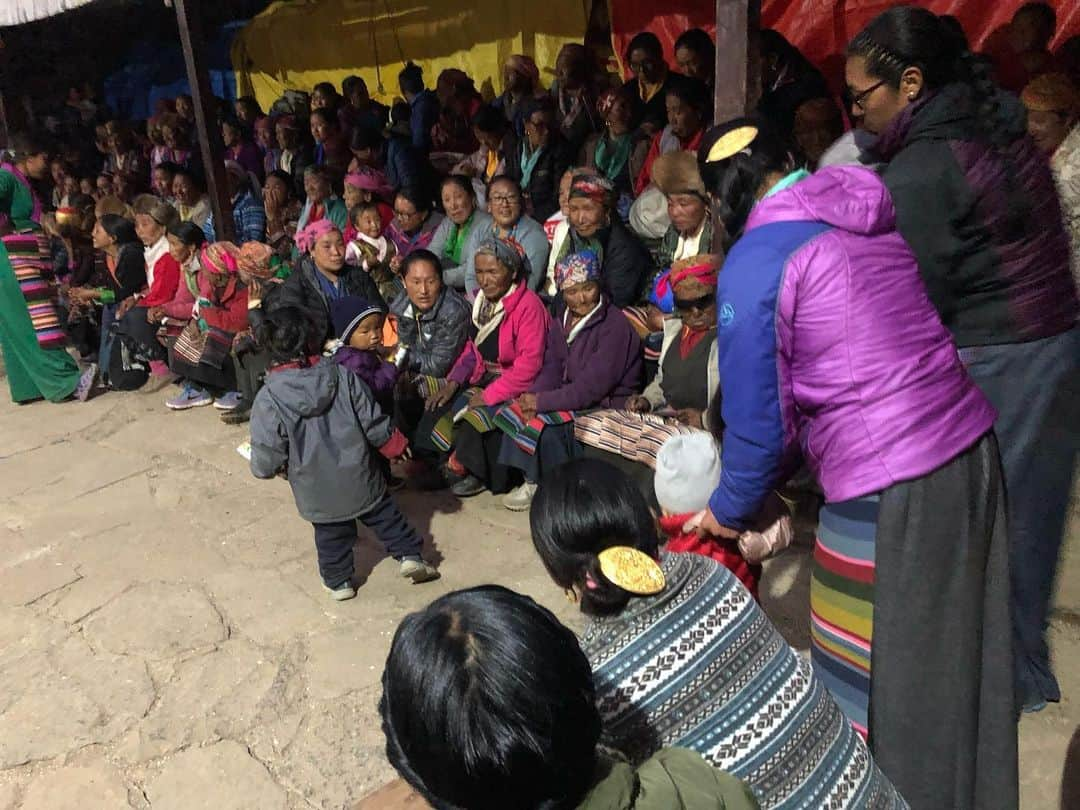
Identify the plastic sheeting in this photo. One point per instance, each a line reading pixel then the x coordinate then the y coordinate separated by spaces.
pixel 154 69
pixel 821 31
pixel 298 44
pixel 16 12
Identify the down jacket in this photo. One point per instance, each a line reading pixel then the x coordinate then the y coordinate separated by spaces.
pixel 435 338
pixel 828 343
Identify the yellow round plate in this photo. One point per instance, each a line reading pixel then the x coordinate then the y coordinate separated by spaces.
pixel 732 143
pixel 632 570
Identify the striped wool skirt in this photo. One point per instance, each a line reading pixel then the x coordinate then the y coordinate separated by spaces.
pixel 29 257
pixel 842 604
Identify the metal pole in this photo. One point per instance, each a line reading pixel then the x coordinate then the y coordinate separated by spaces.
pixel 211 147
pixel 738 72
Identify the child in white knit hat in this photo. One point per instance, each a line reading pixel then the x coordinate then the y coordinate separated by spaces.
pixel 687 472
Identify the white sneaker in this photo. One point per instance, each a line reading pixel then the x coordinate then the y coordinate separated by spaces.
pixel 521 498
pixel 342 592
pixel 417 570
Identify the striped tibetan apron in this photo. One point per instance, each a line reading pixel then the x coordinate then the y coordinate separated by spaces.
pixel 28 253
pixel 842 604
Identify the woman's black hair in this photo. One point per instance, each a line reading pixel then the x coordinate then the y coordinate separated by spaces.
pixel 285 178
pixel 234 123
pixel 905 36
pixel 699 42
pixel 422 255
pixel 23 145
pixel 488 702
pixel 580 509
pixel 506 180
pixel 285 332
pixel 461 181
pixel 692 92
pixel 645 41
pixel 489 119
pixel 365 138
pixel 415 195
pixel 169 166
pixel 251 105
pixel 734 182
pixel 187 232
pixel 328 116
pixel 773 43
pixel 119 228
pixel 328 90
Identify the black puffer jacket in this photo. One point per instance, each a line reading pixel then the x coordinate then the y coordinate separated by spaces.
pixel 435 338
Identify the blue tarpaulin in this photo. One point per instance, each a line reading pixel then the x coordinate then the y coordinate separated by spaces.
pixel 154 69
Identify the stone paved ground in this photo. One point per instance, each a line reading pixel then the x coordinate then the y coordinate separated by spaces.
pixel 165 644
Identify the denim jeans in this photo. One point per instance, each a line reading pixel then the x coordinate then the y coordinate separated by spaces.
pixel 1034 388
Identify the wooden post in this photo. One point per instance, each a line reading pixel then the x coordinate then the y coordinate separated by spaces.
pixel 211 147
pixel 738 72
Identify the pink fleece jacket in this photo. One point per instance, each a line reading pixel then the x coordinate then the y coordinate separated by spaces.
pixel 522 341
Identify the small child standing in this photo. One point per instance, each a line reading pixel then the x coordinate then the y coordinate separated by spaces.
pixel 373 252
pixel 358 324
pixel 317 424
pixel 687 472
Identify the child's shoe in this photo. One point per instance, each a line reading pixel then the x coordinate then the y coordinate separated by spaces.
pixel 343 592
pixel 417 570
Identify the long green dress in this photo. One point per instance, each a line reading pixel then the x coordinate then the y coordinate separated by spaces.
pixel 29 334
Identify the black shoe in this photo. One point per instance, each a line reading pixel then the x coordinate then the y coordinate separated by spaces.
pixel 236 417
pixel 468 486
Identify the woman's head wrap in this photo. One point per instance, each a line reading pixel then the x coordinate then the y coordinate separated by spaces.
pixel 593 187
pixel 220 258
pixel 369 179
pixel 1052 92
pixel 306 239
pixel 507 252
pixel 704 272
pixel 524 66
pixel 255 260
pixel 577 268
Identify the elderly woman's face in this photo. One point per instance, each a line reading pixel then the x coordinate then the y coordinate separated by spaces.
pixel 180 251
pixel 316 188
pixel 494 279
pixel 504 203
pixel 581 299
pixel 695 304
pixel 538 130
pixel 184 190
pixel 687 212
pixel 587 216
pixel 328 252
pixel 148 230
pixel 1049 129
pixel 457 203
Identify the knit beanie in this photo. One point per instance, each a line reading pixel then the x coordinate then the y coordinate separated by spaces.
pixel 346 314
pixel 687 472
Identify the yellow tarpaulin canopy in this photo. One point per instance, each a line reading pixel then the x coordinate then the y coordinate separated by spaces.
pixel 295 45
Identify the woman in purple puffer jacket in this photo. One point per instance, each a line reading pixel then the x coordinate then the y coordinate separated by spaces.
pixel 829 348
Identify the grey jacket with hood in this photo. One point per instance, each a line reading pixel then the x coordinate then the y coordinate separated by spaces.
pixel 325 425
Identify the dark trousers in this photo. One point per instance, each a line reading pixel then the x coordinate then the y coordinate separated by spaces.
pixel 250 368
pixel 334 541
pixel 134 324
pixel 555 447
pixel 479 454
pixel 108 317
pixel 1034 388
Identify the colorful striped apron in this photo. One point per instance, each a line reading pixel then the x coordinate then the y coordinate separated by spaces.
pixel 842 604
pixel 29 256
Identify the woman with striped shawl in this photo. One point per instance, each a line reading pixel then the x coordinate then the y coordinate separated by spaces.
pixel 30 332
pixel 683 656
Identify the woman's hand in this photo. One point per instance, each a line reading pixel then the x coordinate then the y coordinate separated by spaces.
pixel 691 417
pixel 527 404
pixel 638 404
pixel 477 400
pixel 155 314
pixel 126 306
pixel 705 524
pixel 442 396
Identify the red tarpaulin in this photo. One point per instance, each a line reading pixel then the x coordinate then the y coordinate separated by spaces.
pixel 820 30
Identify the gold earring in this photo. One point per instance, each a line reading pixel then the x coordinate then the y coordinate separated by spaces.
pixel 571 595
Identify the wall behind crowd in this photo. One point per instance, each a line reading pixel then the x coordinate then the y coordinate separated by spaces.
pixel 296 45
pixel 820 32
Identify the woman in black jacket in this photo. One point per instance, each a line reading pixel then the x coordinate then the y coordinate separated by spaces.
pixel 625 263
pixel 540 159
pixel 977 204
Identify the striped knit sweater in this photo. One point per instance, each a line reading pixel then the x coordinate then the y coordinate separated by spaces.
pixel 700 666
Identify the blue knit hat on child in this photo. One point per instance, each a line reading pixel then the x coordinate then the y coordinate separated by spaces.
pixel 346 314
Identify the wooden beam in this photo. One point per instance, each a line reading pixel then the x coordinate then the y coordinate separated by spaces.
pixel 211 147
pixel 738 72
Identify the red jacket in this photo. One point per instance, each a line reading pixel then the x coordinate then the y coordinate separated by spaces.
pixel 227 310
pixel 645 177
pixel 166 278
pixel 724 551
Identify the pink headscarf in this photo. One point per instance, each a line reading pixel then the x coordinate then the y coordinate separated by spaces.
pixel 707 274
pixel 306 239
pixel 369 180
pixel 220 258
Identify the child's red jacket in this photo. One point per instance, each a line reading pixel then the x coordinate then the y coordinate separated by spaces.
pixel 725 552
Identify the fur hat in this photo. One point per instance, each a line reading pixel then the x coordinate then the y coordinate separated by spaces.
pixel 687 472
pixel 677 173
